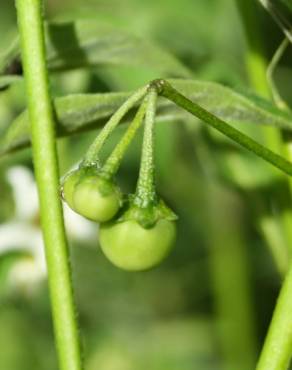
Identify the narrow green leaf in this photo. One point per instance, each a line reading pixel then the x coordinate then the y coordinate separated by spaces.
pixel 8 56
pixel 80 112
pixel 7 80
pixel 86 43
pixel 233 105
pixel 10 66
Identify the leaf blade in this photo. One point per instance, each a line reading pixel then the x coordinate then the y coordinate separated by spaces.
pixel 90 44
pixel 82 112
pixel 86 43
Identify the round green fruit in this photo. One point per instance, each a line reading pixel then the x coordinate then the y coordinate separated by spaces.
pixel 96 199
pixel 68 187
pixel 130 246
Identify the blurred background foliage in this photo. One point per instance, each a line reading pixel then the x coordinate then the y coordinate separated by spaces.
pixel 209 304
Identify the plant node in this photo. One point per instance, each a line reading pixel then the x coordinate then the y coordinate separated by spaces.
pixel 158 84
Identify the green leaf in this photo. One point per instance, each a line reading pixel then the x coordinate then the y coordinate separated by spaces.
pixel 234 106
pixel 86 43
pixel 10 67
pixel 9 55
pixel 80 112
pixel 7 80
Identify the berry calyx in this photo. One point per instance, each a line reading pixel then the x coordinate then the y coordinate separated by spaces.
pixel 91 195
pixel 140 238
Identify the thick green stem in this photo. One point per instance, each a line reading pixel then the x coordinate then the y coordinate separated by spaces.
pixel 91 157
pixel 46 169
pixel 112 163
pixel 145 192
pixel 277 349
pixel 170 93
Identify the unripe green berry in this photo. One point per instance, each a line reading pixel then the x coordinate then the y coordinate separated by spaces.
pixel 68 187
pixel 130 246
pixel 95 199
pixel 91 195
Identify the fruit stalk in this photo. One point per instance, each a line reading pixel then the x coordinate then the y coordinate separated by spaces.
pixel 145 193
pixel 91 157
pixel 112 163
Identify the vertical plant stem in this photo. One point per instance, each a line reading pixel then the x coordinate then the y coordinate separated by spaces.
pixel 277 349
pixel 31 30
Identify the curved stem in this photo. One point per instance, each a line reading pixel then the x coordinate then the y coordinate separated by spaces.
pixel 166 90
pixel 46 169
pixel 278 17
pixel 270 73
pixel 91 157
pixel 112 163
pixel 255 60
pixel 145 192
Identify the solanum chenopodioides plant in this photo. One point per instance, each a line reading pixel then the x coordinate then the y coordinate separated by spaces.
pixel 137 231
pixel 92 191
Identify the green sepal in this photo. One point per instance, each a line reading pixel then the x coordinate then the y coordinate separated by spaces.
pixel 148 216
pixel 92 194
pixel 106 185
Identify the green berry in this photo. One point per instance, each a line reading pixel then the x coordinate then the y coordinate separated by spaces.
pixel 131 246
pixel 96 199
pixel 91 195
pixel 68 187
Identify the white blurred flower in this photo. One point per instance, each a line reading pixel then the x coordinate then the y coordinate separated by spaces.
pixel 22 233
